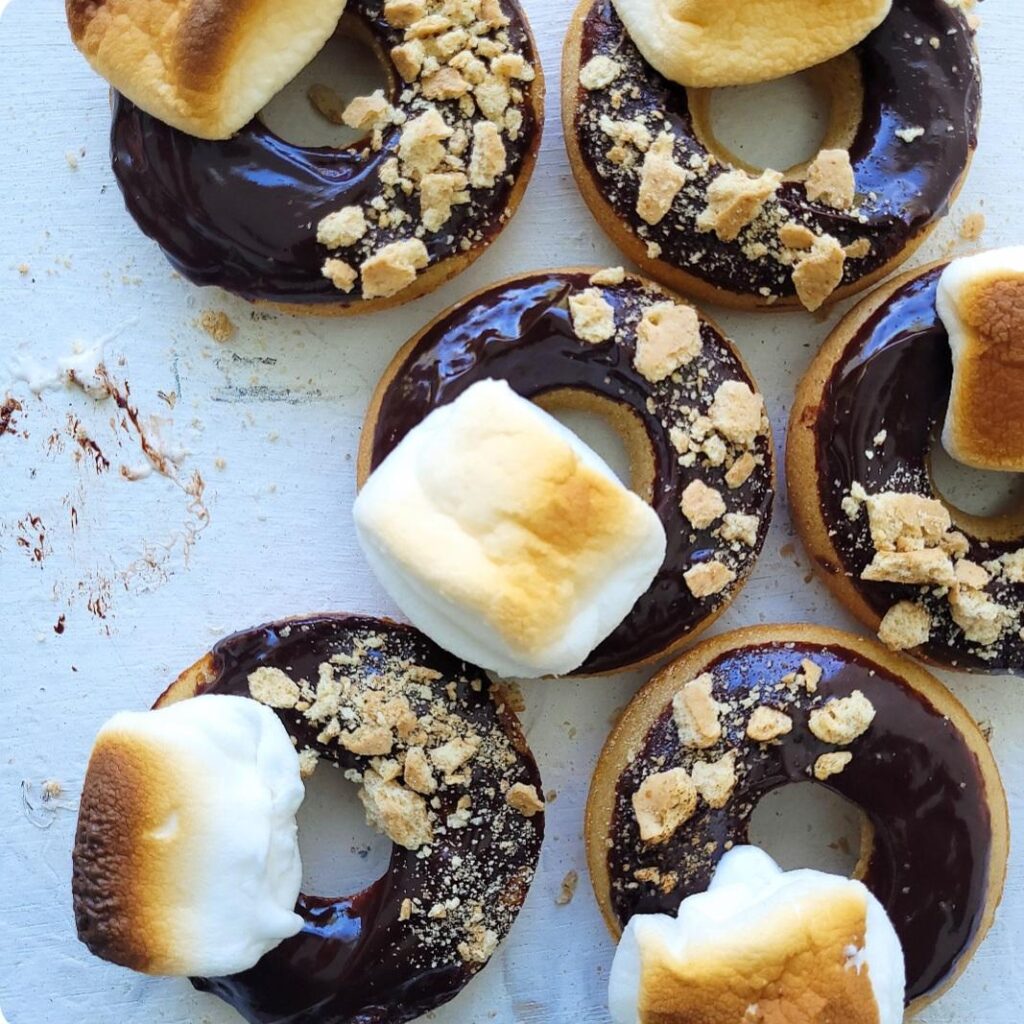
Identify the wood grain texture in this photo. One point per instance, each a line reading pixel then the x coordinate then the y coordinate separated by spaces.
pixel 141 579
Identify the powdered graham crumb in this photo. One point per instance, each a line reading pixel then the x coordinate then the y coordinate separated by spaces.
pixel 218 325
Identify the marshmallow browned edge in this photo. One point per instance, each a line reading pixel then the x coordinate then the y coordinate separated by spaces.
pixel 186 859
pixel 203 66
pixel 762 945
pixel 709 43
pixel 980 300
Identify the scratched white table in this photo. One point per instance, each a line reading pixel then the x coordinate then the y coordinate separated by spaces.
pixel 114 577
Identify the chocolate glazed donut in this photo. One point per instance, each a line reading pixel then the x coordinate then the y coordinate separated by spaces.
pixel 522 331
pixel 869 412
pixel 378 956
pixel 905 108
pixel 242 213
pixel 936 842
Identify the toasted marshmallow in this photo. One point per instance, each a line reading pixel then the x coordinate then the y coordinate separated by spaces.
pixel 710 43
pixel 186 859
pixel 504 538
pixel 761 945
pixel 206 68
pixel 981 302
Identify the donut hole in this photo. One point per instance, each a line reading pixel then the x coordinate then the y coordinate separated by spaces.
pixel 987 504
pixel 614 432
pixel 341 854
pixel 782 124
pixel 305 112
pixel 804 825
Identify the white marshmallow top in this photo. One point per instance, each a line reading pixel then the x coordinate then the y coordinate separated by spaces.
pixel 504 538
pixel 748 890
pixel 211 840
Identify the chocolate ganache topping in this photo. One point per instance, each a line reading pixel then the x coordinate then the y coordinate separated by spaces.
pixel 411 940
pixel 911 772
pixel 880 415
pixel 921 101
pixel 243 213
pixel 523 332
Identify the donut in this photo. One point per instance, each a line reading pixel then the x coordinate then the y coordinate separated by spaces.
pixel 413 939
pixel 663 375
pixel 750 711
pixel 904 109
pixel 328 230
pixel 930 578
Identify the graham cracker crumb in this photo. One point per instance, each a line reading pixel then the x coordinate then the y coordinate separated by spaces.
pixel 817 274
pixel 741 528
pixel 567 889
pixel 524 799
pixel 610 276
pixel 217 324
pixel 667 338
pixel 661 178
pixel 663 802
pixel 831 764
pixel 737 413
pixel 326 102
pixel 272 687
pixel 830 179
pixel 599 72
pixel 393 268
pixel 701 504
pixel 796 236
pixel 489 158
pixel 767 724
pixel 341 228
pixel 716 780
pixel 341 274
pixel 739 472
pixel 842 720
pixel 366 112
pixel 593 317
pixel 396 811
pixel 708 578
pixel 905 625
pixel 735 199
pixel 696 714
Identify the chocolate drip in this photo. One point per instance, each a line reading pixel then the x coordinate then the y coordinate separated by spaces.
pixel 912 774
pixel 521 332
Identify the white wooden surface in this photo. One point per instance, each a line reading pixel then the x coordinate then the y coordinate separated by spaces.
pixel 144 577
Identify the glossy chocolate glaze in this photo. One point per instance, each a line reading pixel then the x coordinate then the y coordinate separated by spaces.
pixel 912 775
pixel 355 962
pixel 895 375
pixel 521 332
pixel 902 187
pixel 242 213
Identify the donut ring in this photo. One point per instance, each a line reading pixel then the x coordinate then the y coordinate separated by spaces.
pixel 243 214
pixel 923 775
pixel 887 367
pixel 362 958
pixel 522 331
pixel 881 93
